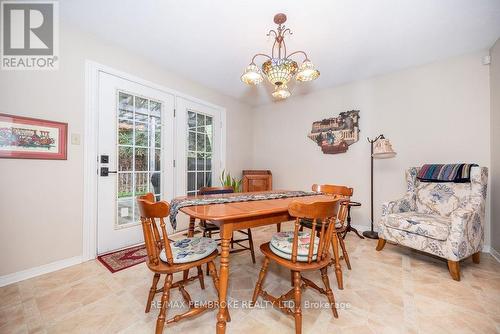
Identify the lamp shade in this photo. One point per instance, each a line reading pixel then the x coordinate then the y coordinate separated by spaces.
pixel 281 92
pixel 383 149
pixel 279 71
pixel 252 75
pixel 307 72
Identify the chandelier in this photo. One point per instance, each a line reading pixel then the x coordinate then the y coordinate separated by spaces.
pixel 279 68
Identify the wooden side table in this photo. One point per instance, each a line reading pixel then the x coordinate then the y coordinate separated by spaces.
pixel 257 180
pixel 349 227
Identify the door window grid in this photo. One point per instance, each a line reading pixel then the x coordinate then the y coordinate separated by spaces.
pixel 199 151
pixel 139 154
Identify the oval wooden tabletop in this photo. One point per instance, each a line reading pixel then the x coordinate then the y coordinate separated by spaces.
pixel 238 210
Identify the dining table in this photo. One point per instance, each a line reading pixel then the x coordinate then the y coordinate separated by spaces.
pixel 244 215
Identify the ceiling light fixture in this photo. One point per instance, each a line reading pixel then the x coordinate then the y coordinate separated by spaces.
pixel 279 68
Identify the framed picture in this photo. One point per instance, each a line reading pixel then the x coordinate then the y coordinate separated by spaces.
pixel 31 138
pixel 335 135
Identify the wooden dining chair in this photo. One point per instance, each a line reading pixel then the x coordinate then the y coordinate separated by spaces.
pixel 301 251
pixel 209 228
pixel 345 194
pixel 167 258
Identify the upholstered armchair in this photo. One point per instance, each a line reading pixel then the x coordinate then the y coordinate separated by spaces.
pixel 443 219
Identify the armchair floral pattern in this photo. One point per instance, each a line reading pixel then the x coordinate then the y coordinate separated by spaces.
pixel 443 219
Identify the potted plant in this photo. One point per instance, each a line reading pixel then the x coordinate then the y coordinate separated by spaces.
pixel 228 181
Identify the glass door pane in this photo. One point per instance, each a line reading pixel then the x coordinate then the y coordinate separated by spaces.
pixel 139 154
pixel 200 139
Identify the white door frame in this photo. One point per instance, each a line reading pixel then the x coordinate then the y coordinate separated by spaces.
pixel 90 142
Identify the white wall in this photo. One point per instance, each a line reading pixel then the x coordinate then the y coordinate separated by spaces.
pixel 495 145
pixel 437 113
pixel 41 201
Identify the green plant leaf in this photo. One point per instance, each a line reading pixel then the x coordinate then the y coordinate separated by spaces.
pixel 228 181
pixel 222 177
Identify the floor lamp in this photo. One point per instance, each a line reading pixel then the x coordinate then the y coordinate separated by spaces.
pixel 381 148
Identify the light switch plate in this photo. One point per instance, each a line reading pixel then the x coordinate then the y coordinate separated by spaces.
pixel 75 139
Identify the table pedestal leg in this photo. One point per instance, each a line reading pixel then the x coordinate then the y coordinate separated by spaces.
pixel 222 316
pixel 349 227
pixel 353 230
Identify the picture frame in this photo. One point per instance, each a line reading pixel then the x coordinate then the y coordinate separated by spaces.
pixel 32 138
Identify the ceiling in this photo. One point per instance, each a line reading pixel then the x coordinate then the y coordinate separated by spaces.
pixel 211 41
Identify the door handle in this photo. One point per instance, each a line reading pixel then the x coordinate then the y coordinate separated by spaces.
pixel 105 171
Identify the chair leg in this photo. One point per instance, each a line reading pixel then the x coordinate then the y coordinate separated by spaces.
pixel 476 257
pixel 297 298
pixel 200 277
pixel 344 252
pixel 278 227
pixel 338 271
pixel 262 275
pixel 454 268
pixel 213 273
pixel 164 302
pixel 152 292
pixel 329 292
pixel 250 243
pixel 381 244
pixel 185 275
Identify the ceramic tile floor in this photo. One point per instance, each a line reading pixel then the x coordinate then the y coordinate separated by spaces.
pixel 393 291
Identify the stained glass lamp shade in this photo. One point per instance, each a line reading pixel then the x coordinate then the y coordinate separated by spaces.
pixel 252 75
pixel 279 71
pixel 307 72
pixel 281 92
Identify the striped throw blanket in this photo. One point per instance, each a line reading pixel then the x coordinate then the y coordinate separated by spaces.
pixel 178 203
pixel 458 173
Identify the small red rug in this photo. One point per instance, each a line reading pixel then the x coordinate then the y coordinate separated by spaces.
pixel 124 258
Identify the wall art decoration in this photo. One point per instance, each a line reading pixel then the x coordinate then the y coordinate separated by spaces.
pixel 31 138
pixel 335 135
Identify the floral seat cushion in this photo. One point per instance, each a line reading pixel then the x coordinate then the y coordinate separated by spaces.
pixel 190 249
pixel 282 242
pixel 427 225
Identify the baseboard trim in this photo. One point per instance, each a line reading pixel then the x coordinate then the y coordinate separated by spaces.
pixel 40 270
pixel 495 254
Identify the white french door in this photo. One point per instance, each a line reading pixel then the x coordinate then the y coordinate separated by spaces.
pixel 150 140
pixel 198 149
pixel 136 153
